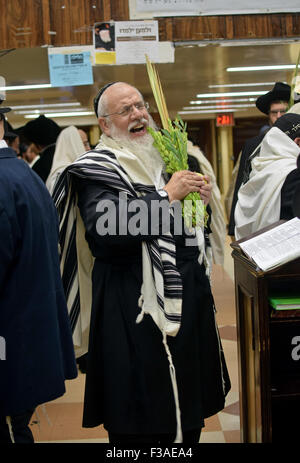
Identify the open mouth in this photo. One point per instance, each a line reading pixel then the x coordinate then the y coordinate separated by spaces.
pixel 137 129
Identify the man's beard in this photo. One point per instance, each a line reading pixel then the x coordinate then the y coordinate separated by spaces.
pixel 142 147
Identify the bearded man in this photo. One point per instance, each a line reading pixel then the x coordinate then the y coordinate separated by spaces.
pixel 155 365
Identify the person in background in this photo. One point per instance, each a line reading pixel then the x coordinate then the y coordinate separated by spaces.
pixel 155 364
pixel 36 348
pixel 32 155
pixel 274 104
pixel 217 225
pixel 268 194
pixel 43 132
pixel 70 144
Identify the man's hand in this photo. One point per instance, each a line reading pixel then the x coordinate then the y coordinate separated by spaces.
pixel 184 182
pixel 1 127
pixel 205 190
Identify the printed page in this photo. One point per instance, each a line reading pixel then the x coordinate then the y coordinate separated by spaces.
pixel 276 246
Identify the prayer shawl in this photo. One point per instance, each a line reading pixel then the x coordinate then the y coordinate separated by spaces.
pixel 68 148
pixel 161 292
pixel 259 199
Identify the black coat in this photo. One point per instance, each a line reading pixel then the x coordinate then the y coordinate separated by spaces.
pixel 43 165
pixel 288 191
pixel 128 386
pixel 34 323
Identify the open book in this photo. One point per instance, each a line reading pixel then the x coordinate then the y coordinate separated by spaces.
pixel 275 246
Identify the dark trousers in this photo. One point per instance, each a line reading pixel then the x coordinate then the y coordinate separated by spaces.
pixel 20 428
pixel 189 437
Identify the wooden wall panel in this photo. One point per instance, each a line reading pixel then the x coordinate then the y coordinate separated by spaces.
pixel 21 23
pixel 231 27
pixel 32 23
pixel 73 20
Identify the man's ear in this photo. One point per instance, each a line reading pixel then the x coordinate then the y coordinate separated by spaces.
pixel 1 129
pixel 104 125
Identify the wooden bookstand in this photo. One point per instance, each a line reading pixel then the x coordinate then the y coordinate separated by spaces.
pixel 268 351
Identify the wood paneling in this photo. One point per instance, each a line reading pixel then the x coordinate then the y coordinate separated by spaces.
pixel 231 27
pixel 32 23
pixel 21 23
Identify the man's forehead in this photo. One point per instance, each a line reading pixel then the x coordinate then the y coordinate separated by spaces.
pixel 278 103
pixel 121 91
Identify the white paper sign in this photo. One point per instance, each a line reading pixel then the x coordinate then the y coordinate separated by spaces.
pixel 134 39
pixel 168 5
pixel 158 8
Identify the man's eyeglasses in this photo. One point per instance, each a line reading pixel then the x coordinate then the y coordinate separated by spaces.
pixel 276 111
pixel 129 109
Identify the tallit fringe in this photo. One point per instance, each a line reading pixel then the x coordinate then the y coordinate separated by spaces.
pixel 140 316
pixel 178 438
pixel 8 422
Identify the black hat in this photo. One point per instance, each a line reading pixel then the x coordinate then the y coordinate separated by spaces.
pixel 280 92
pixel 41 131
pixel 2 109
pixel 100 93
pixel 102 26
pixel 289 123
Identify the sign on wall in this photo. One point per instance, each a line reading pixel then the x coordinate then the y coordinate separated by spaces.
pixel 158 8
pixel 70 66
pixel 134 40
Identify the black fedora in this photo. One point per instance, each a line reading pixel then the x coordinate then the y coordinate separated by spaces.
pixel 280 92
pixel 2 109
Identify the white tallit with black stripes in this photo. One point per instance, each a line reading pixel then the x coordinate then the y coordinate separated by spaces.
pixel 161 291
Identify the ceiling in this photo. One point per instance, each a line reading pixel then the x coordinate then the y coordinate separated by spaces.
pixel 196 67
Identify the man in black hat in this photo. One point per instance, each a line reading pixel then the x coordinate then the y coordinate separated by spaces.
pixel 274 104
pixel 43 132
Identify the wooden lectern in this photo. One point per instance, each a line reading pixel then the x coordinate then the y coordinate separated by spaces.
pixel 268 351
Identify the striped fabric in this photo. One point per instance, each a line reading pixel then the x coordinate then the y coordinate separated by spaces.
pixel 161 292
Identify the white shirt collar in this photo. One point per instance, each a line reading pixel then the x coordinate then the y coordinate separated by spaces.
pixel 3 144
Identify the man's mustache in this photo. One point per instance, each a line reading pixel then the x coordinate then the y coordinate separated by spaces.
pixel 134 124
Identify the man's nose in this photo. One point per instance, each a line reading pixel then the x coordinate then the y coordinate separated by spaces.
pixel 135 111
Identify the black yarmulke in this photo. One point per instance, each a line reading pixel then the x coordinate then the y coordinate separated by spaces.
pixel 100 93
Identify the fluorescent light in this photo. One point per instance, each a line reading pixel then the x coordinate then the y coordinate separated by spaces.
pixel 216 95
pixel 50 105
pixel 256 84
pixel 41 111
pixel 261 68
pixel 79 113
pixel 231 100
pixel 209 111
pixel 25 87
pixel 220 107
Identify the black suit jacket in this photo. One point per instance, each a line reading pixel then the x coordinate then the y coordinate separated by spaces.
pixel 43 166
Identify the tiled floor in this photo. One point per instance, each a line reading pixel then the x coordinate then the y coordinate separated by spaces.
pixel 60 420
